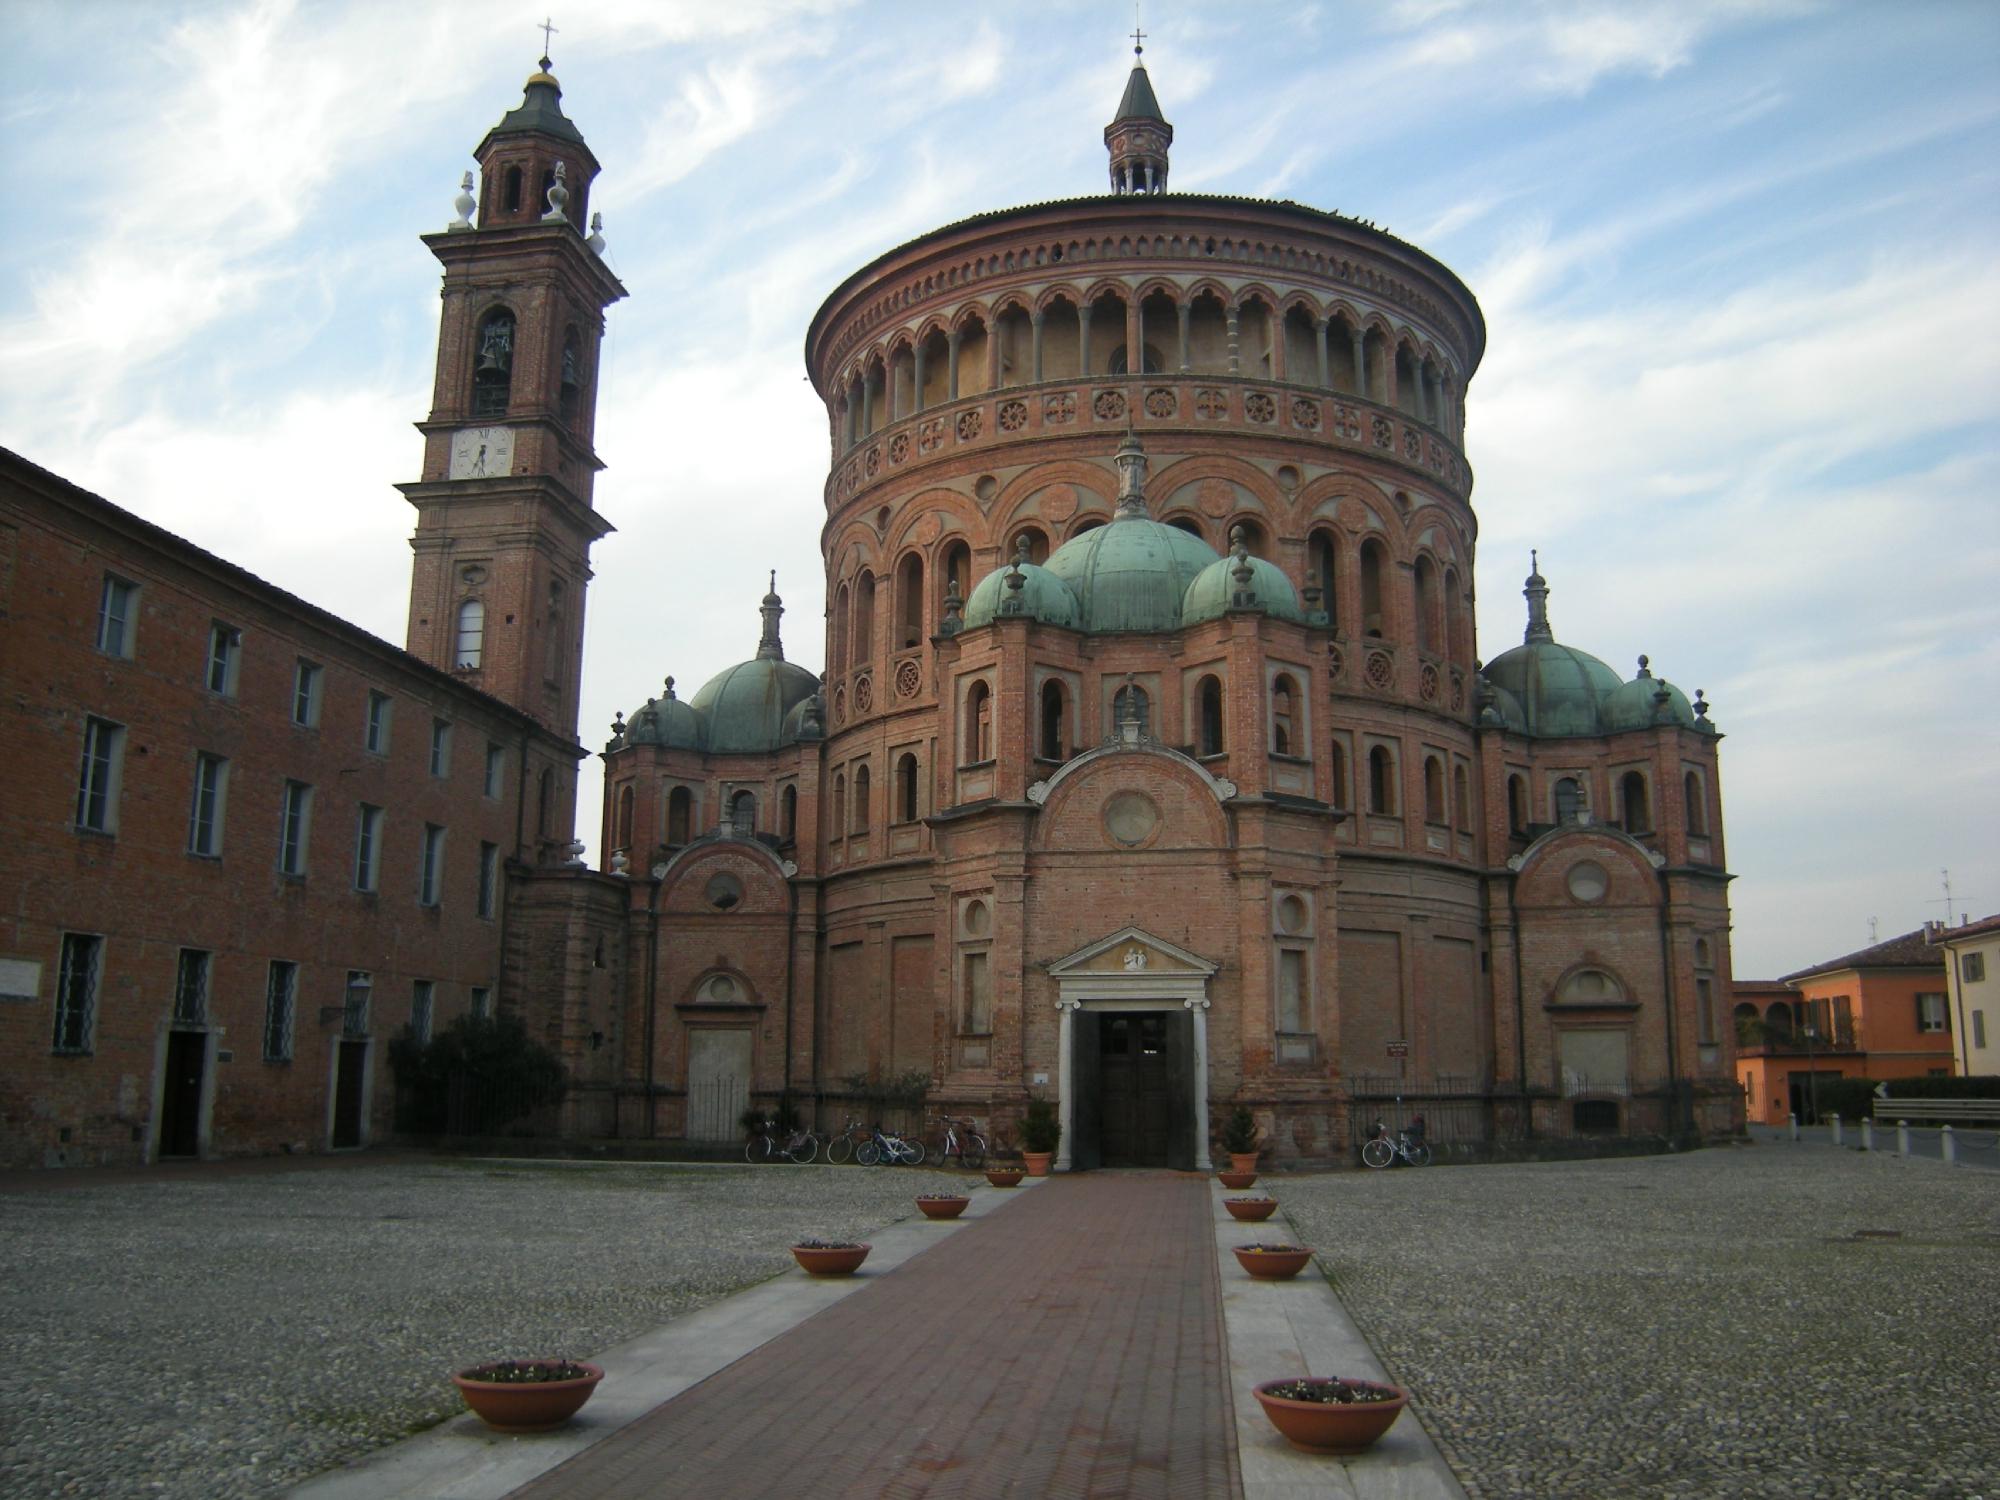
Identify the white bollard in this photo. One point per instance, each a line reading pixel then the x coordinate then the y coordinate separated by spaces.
pixel 1836 1130
pixel 1948 1145
pixel 1794 1124
pixel 1867 1134
pixel 1902 1137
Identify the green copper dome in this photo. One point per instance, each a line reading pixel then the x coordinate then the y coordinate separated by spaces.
pixel 1042 597
pixel 1131 574
pixel 1213 591
pixel 1560 692
pixel 745 706
pixel 667 721
pixel 1647 700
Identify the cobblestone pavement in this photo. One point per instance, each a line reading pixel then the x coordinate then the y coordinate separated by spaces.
pixel 225 1336
pixel 1737 1322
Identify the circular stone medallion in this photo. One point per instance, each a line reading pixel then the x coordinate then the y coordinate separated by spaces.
pixel 1130 818
pixel 1587 881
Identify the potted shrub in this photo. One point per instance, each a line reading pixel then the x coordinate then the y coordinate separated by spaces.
pixel 942 1205
pixel 527 1395
pixel 1250 1208
pixel 1041 1133
pixel 1330 1415
pixel 1239 1139
pixel 830 1257
pixel 1273 1262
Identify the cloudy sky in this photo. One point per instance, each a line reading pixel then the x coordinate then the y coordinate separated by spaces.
pixel 1737 262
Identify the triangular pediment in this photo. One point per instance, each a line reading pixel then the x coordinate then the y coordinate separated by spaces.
pixel 1132 950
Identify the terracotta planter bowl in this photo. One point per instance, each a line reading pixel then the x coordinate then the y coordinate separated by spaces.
pixel 528 1406
pixel 1236 1181
pixel 1004 1176
pixel 1329 1426
pixel 830 1262
pixel 942 1208
pixel 1250 1208
pixel 1243 1161
pixel 1272 1265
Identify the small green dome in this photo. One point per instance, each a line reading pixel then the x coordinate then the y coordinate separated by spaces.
pixel 1210 596
pixel 1561 691
pixel 1043 597
pixel 744 708
pixel 1131 573
pixel 1645 701
pixel 668 722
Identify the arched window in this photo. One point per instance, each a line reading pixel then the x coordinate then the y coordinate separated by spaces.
pixel 512 194
pixel 1381 781
pixel 1697 809
pixel 836 646
pixel 1208 698
pixel 836 809
pixel 1373 562
pixel 680 815
pixel 1339 769
pixel 864 619
pixel 1038 545
pixel 743 814
pixel 1590 987
pixel 1568 799
pixel 1324 563
pixel 1632 796
pixel 909 602
pixel 1052 721
pixel 1780 1020
pixel 978 734
pixel 471 634
pixel 1130 704
pixel 906 789
pixel 861 799
pixel 1461 799
pixel 789 813
pixel 493 364
pixel 1433 790
pixel 957 570
pixel 623 834
pixel 1284 736
pixel 1190 525
pixel 1426 602
pixel 1517 805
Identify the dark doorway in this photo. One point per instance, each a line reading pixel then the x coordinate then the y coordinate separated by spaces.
pixel 351 1068
pixel 1807 1101
pixel 180 1100
pixel 1134 1094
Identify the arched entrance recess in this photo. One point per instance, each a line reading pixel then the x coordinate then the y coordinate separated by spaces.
pixel 1133 1016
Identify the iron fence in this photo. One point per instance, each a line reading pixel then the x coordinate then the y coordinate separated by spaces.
pixel 715 1107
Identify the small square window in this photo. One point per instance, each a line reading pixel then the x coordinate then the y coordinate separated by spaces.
pixel 1931 1013
pixel 117 617
pixel 225 647
pixel 377 736
pixel 482 1002
pixel 1972 968
pixel 305 694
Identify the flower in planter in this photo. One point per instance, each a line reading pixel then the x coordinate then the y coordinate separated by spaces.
pixel 825 1245
pixel 939 1197
pixel 526 1371
pixel 1331 1390
pixel 1274 1249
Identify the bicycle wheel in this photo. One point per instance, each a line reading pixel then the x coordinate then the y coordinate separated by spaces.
pixel 1420 1154
pixel 867 1153
pixel 804 1149
pixel 1378 1153
pixel 840 1148
pixel 973 1151
pixel 756 1149
pixel 913 1151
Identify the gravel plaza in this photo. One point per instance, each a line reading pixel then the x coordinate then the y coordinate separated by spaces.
pixel 1756 1321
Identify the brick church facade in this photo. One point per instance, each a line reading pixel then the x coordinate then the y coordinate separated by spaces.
pixel 1153 769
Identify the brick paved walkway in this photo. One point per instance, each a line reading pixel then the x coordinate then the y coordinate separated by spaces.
pixel 1070 1345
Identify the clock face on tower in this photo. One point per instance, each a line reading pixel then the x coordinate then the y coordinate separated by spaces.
pixel 482 452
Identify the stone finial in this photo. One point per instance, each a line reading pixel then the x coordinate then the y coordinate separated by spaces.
pixel 1244 596
pixel 769 647
pixel 1645 666
pixel 465 203
pixel 670 690
pixel 1537 594
pixel 954 607
pixel 618 729
pixel 596 238
pixel 1131 462
pixel 1701 706
pixel 558 196
pixel 1016 580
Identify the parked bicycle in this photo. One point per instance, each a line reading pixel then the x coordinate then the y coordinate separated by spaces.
pixel 840 1145
pixel 769 1144
pixel 891 1149
pixel 965 1150
pixel 1381 1150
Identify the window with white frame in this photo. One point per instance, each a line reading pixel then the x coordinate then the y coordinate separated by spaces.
pixel 489 878
pixel 117 616
pixel 306 678
pixel 376 736
pixel 431 868
pixel 440 748
pixel 281 995
pixel 97 782
pixel 211 781
pixel 368 848
pixel 1931 1014
pixel 1972 968
pixel 191 987
pixel 294 828
pixel 76 993
pixel 496 767
pixel 422 993
pixel 471 634
pixel 225 648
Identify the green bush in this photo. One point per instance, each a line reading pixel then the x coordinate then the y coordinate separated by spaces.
pixel 474 1076
pixel 1980 1086
pixel 1850 1098
pixel 1040 1129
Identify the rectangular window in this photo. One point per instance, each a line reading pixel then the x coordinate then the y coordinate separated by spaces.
pixel 368 848
pixel 496 766
pixel 305 694
pixel 377 737
pixel 225 645
pixel 489 878
pixel 117 617
pixel 294 826
pixel 211 779
pixel 1292 1011
pixel 1979 1028
pixel 281 994
pixel 76 993
pixel 978 995
pixel 432 869
pixel 97 784
pixel 482 1002
pixel 422 992
pixel 440 748
pixel 354 1014
pixel 1931 1013
pixel 1972 968
pixel 191 988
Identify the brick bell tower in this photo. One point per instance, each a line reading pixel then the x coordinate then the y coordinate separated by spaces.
pixel 504 514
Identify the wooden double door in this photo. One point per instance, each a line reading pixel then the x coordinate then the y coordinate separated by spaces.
pixel 1134 1080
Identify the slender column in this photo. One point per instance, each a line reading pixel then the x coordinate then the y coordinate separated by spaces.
pixel 1319 340
pixel 917 402
pixel 1232 320
pixel 890 394
pixel 1035 323
pixel 1066 1013
pixel 1183 313
pixel 867 404
pixel 1274 322
pixel 951 365
pixel 1199 1010
pixel 1083 342
pixel 1360 364
pixel 993 354
pixel 1135 358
